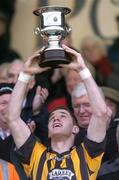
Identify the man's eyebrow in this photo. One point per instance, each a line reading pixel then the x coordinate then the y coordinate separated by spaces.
pixel 66 113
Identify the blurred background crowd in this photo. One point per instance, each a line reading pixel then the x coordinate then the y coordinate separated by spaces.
pixel 95 35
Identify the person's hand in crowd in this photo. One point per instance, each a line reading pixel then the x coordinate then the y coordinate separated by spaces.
pixel 77 62
pixel 31 65
pixel 40 97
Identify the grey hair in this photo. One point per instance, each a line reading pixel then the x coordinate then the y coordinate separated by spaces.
pixel 79 90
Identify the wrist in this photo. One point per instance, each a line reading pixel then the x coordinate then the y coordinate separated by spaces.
pixel 85 73
pixel 25 77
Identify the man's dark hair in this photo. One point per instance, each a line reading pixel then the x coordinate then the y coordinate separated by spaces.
pixel 70 112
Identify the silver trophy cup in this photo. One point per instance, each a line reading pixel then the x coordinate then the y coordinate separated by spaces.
pixel 53 29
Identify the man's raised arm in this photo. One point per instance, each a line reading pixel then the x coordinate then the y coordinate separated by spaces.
pixel 19 129
pixel 101 114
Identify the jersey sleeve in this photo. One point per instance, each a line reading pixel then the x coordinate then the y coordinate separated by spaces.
pixel 30 153
pixel 93 153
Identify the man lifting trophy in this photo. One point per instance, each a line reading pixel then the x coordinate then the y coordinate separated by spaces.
pixel 53 28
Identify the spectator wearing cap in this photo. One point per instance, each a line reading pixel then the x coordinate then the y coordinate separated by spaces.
pixel 112 100
pixel 110 169
pixel 6 140
pixel 5 137
pixel 5 93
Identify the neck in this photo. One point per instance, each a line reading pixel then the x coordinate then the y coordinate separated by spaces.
pixel 62 144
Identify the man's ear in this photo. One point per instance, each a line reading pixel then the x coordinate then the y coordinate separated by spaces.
pixel 75 129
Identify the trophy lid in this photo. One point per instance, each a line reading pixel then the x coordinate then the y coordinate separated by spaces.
pixel 44 9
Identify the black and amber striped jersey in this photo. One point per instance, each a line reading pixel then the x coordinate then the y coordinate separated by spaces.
pixel 79 163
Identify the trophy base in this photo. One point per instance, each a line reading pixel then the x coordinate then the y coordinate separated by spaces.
pixel 53 58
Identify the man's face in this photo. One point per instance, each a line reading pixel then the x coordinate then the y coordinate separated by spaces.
pixel 82 110
pixel 60 123
pixel 4 99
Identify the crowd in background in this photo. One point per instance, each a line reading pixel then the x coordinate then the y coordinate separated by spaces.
pixel 55 88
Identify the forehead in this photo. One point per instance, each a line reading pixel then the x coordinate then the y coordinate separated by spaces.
pixel 5 97
pixel 60 111
pixel 80 100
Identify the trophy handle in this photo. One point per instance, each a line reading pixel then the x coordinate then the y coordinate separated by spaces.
pixel 37 31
